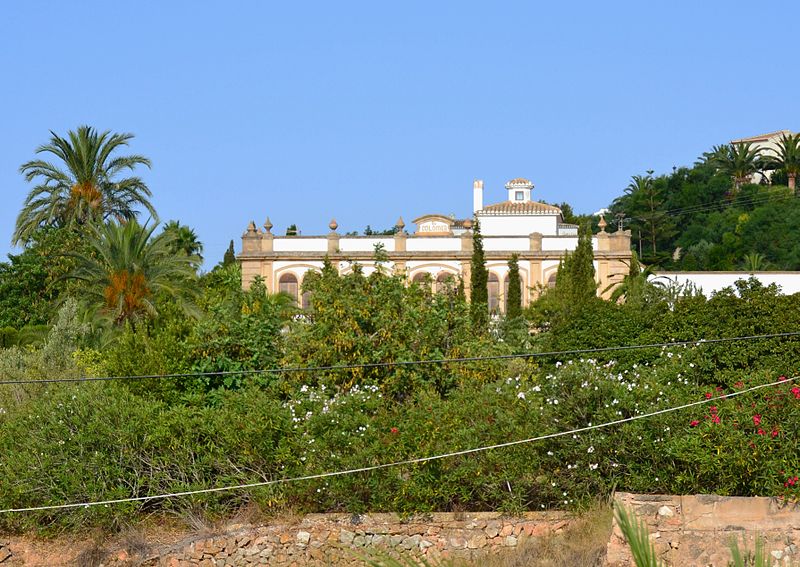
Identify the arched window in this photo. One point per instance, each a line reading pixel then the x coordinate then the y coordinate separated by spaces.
pixel 445 281
pixel 494 293
pixel 505 293
pixel 288 284
pixel 421 278
pixel 551 281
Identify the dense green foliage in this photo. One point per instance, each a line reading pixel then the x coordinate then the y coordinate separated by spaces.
pixel 246 387
pixel 32 281
pixel 713 215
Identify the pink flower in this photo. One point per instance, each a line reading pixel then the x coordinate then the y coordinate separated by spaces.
pixel 761 431
pixel 394 431
pixel 709 395
pixel 715 418
pixel 739 384
pixel 796 392
pixel 782 378
pixel 774 432
pixel 713 409
pixel 694 423
pixel 757 419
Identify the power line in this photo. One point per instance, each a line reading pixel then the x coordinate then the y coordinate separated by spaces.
pixel 403 363
pixel 397 463
pixel 704 207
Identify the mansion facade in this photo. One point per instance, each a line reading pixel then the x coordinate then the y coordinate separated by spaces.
pixel 440 249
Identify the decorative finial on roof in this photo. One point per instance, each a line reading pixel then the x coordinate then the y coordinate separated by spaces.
pixel 602 223
pixel 251 228
pixel 268 226
pixel 467 224
pixel 333 225
pixel 400 224
pixel 519 183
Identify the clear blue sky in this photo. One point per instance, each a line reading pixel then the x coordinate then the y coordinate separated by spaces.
pixel 367 111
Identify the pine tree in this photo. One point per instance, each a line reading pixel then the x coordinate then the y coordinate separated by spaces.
pixel 479 284
pixel 230 256
pixel 514 298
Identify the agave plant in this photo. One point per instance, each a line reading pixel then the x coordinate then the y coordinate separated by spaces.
pixel 638 538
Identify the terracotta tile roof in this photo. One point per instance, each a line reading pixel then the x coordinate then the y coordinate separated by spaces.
pixel 520 181
pixel 516 208
pixel 762 137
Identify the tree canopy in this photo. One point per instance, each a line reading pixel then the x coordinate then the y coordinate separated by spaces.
pixel 85 183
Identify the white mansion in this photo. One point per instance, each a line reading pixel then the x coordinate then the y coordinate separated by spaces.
pixel 440 248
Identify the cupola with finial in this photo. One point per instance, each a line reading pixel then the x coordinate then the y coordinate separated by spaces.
pixel 519 190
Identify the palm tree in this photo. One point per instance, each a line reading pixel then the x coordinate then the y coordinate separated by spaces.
pixel 129 267
pixel 755 262
pixel 85 185
pixel 186 240
pixel 738 161
pixel 635 288
pixel 787 157
pixel 643 189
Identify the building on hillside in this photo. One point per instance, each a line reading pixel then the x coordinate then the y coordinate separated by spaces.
pixel 765 143
pixel 767 146
pixel 440 248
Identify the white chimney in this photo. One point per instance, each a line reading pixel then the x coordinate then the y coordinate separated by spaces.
pixel 477 195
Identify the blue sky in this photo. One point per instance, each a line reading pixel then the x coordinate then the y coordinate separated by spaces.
pixel 367 111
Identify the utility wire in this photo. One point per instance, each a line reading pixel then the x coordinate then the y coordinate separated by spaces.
pixel 705 207
pixel 396 463
pixel 404 363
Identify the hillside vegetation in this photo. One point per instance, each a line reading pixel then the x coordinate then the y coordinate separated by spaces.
pixel 213 386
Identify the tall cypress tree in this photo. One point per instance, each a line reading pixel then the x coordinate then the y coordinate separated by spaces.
pixel 230 255
pixel 575 284
pixel 514 298
pixel 479 284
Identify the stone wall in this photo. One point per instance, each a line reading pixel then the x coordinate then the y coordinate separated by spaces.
pixel 696 531
pixel 687 531
pixel 329 539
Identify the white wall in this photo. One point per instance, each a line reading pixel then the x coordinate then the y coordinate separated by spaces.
pixel 300 244
pixel 365 244
pixel 709 282
pixel 520 244
pixel 432 244
pixel 562 243
pixel 513 225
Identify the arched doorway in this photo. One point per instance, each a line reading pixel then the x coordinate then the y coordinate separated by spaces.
pixel 288 284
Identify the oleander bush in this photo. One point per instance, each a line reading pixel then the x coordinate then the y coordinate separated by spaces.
pixel 76 443
pixel 95 441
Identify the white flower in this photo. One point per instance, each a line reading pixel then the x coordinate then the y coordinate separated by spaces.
pixel 521 395
pixel 550 454
pixel 593 467
pixel 590 449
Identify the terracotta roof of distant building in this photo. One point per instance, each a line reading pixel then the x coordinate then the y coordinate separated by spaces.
pixel 515 208
pixel 761 137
